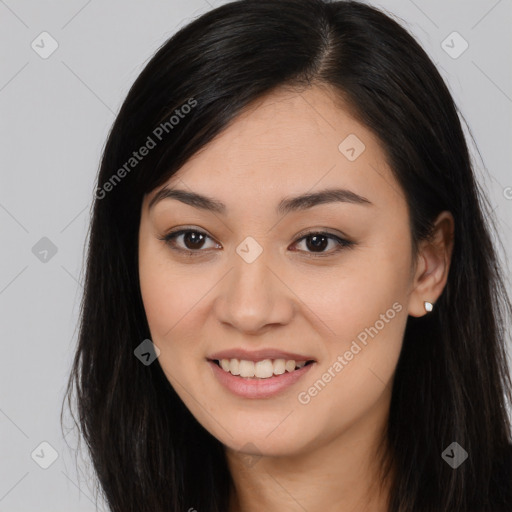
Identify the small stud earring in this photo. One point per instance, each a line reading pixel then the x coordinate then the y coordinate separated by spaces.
pixel 428 306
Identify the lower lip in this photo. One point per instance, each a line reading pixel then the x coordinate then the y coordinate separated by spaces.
pixel 257 388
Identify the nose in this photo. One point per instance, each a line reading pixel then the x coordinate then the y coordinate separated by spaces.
pixel 253 296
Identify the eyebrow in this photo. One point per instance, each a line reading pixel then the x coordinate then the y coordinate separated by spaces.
pixel 286 205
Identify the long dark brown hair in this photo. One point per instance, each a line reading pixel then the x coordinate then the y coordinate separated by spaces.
pixel 452 382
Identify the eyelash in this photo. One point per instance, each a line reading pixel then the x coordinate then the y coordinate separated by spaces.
pixel 170 237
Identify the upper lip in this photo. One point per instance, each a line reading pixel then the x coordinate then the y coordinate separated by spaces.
pixel 258 355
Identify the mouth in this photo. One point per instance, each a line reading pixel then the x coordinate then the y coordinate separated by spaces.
pixel 262 373
pixel 261 369
pixel 259 379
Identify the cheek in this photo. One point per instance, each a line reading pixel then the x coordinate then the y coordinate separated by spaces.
pixel 164 308
pixel 353 296
pixel 168 292
pixel 176 301
pixel 365 311
pixel 159 299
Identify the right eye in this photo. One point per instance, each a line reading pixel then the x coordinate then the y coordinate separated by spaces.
pixel 192 241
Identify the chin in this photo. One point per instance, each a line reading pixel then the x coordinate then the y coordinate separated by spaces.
pixel 265 439
pixel 261 447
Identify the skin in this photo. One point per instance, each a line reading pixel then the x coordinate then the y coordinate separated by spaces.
pixel 320 455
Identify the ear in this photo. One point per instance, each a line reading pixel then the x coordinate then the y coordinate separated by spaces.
pixel 432 265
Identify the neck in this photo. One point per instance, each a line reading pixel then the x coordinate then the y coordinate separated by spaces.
pixel 339 475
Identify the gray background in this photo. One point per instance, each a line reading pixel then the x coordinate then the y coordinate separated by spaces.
pixel 55 116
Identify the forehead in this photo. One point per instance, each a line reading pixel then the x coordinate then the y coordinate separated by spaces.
pixel 290 142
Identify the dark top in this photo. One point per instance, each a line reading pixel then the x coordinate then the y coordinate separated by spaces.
pixel 502 479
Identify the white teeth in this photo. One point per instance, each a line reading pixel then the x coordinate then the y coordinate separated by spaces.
pixel 290 365
pixel 246 368
pixel 261 369
pixel 234 366
pixel 264 369
pixel 279 366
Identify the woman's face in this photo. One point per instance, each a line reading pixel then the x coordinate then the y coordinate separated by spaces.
pixel 250 281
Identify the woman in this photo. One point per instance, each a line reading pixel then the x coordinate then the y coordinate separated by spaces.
pixel 292 298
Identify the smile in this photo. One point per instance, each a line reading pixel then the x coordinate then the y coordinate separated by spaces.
pixel 263 369
pixel 260 379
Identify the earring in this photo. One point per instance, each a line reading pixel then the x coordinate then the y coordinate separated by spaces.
pixel 428 306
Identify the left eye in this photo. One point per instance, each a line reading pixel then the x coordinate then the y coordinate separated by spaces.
pixel 316 242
